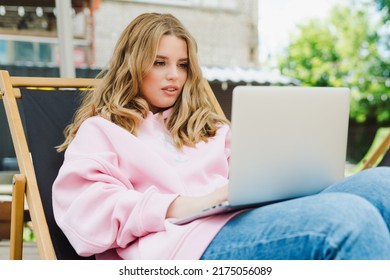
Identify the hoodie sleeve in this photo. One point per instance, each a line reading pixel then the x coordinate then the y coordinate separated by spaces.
pixel 94 202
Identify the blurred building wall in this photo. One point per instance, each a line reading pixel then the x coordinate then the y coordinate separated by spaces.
pixel 225 30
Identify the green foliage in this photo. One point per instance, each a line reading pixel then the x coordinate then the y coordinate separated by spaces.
pixel 384 5
pixel 344 50
pixel 28 233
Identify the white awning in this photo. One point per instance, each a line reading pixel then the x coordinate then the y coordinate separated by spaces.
pixel 247 75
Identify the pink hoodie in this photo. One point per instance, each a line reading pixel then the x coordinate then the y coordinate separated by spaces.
pixel 113 191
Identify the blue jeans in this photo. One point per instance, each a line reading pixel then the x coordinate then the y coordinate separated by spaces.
pixel 348 220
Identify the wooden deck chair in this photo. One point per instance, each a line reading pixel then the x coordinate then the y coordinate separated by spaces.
pixel 379 152
pixel 385 159
pixel 379 155
pixel 46 112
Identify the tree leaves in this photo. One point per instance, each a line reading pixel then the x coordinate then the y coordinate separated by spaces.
pixel 344 50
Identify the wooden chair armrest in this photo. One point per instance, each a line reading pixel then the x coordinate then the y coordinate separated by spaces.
pixel 380 151
pixel 17 217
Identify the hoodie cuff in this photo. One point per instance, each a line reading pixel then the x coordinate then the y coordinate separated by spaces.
pixel 153 214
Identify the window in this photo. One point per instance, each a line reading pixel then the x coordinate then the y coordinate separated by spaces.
pixel 23 52
pixel 3 52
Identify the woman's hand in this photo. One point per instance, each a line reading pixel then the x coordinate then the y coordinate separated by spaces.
pixel 184 205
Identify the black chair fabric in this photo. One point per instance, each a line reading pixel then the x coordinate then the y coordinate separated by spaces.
pixel 7 152
pixel 47 112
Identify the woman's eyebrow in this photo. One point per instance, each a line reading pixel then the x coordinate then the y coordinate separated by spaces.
pixel 165 57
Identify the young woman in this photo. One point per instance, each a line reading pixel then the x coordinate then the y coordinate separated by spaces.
pixel 147 146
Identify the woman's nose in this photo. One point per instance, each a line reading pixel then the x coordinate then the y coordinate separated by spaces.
pixel 173 72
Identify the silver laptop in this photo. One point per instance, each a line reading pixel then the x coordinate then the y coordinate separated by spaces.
pixel 287 142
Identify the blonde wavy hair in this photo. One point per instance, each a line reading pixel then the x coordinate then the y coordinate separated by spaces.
pixel 117 97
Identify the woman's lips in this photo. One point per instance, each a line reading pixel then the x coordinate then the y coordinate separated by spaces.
pixel 170 90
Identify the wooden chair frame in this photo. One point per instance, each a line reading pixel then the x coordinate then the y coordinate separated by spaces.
pixel 371 160
pixel 25 184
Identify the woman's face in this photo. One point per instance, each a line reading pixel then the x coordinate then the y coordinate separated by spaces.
pixel 163 84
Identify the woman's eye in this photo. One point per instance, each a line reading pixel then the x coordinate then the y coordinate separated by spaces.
pixel 159 63
pixel 183 65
